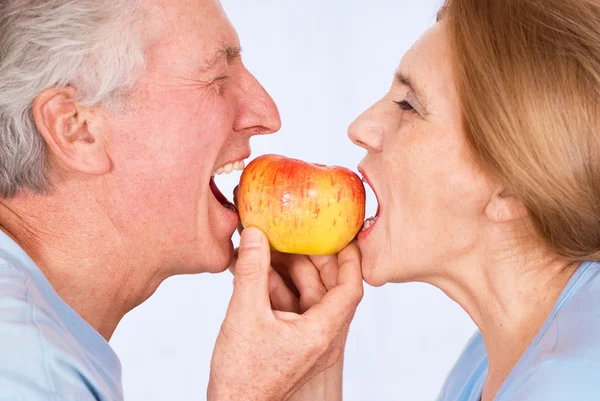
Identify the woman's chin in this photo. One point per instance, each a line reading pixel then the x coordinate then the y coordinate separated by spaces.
pixel 373 273
pixel 374 264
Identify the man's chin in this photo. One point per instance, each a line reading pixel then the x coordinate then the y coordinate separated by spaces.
pixel 213 251
pixel 221 260
pixel 216 259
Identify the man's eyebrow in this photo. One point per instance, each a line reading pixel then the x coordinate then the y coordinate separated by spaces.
pixel 231 52
pixel 405 80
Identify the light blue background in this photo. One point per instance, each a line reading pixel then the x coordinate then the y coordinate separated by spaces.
pixel 324 62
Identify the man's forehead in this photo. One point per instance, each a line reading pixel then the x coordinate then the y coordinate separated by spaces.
pixel 204 18
pixel 182 4
pixel 195 30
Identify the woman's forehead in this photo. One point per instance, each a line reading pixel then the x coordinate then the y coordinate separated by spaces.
pixel 427 63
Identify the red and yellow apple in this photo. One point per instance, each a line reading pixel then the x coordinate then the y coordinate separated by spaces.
pixel 302 208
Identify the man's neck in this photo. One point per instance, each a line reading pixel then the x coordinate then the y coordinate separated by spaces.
pixel 83 256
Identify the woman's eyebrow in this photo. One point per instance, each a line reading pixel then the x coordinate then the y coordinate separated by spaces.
pixel 406 80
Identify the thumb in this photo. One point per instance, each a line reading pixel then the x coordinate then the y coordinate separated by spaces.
pixel 251 277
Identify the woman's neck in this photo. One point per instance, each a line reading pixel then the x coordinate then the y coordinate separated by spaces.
pixel 508 297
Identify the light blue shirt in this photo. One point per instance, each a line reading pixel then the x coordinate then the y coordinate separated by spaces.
pixel 561 364
pixel 47 351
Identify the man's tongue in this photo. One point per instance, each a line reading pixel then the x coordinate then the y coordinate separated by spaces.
pixel 220 197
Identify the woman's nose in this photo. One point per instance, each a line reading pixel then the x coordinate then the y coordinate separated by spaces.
pixel 367 131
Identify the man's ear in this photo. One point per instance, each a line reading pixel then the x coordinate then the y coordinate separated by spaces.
pixel 504 207
pixel 74 133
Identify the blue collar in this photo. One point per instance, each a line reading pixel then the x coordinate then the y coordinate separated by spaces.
pixel 85 334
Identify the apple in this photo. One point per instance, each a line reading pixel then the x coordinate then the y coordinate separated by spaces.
pixel 303 208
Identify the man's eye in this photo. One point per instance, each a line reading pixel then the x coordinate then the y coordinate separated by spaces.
pixel 404 105
pixel 219 82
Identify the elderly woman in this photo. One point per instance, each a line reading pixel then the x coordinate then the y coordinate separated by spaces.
pixel 485 159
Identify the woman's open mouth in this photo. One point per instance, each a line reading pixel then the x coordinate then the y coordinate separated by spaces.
pixel 371 221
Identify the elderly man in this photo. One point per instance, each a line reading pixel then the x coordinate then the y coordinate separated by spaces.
pixel 114 117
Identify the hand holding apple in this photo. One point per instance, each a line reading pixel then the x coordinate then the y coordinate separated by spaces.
pixel 303 208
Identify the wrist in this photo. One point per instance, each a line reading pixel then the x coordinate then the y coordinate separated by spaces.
pixel 326 386
pixel 230 390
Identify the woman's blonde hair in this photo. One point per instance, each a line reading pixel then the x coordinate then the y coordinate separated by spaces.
pixel 528 77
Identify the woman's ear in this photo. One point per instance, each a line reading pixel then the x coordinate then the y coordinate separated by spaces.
pixel 504 207
pixel 74 133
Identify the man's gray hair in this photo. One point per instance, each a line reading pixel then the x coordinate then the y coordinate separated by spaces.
pixel 93 45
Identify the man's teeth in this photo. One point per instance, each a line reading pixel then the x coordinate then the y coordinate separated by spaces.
pixel 369 222
pixel 229 168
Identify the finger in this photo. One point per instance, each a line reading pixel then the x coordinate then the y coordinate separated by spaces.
pixel 278 260
pixel 281 262
pixel 282 291
pixel 307 280
pixel 282 298
pixel 233 262
pixel 251 280
pixel 349 260
pixel 328 269
pixel 337 307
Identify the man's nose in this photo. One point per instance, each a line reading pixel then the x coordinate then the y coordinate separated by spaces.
pixel 367 131
pixel 257 113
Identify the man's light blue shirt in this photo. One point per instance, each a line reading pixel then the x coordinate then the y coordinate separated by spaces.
pixel 47 351
pixel 561 364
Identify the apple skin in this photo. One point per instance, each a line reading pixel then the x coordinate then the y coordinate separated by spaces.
pixel 303 208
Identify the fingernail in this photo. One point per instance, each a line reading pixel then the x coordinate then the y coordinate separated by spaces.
pixel 251 236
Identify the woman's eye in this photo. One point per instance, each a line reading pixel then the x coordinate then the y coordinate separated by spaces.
pixel 404 105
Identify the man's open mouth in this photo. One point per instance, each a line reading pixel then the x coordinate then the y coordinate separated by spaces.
pixel 226 169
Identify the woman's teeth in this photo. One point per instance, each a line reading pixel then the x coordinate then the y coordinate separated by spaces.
pixel 369 222
pixel 229 168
